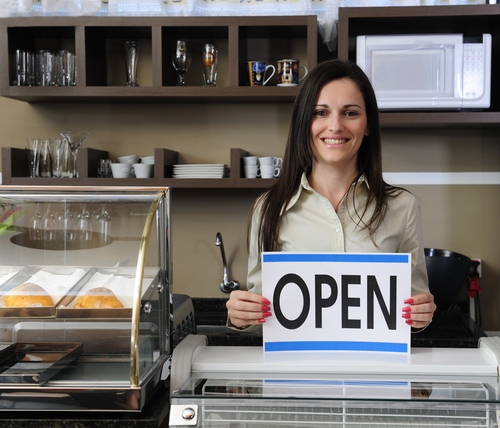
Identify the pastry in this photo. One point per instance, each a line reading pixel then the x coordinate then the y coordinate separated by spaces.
pixel 99 297
pixel 28 294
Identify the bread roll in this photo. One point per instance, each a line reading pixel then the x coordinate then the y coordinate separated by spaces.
pixel 99 297
pixel 28 294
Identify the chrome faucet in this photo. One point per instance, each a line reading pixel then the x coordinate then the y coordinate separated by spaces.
pixel 226 285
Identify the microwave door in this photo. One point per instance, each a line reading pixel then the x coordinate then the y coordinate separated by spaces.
pixel 417 74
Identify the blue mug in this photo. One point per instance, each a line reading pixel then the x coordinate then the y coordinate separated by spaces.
pixel 256 73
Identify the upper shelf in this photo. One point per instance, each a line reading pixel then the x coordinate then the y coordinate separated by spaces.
pixel 469 19
pixel 100 66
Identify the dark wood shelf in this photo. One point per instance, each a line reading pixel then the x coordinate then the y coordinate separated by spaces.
pixel 239 38
pixel 14 169
pixel 467 19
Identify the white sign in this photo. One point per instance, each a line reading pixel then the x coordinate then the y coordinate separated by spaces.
pixel 340 302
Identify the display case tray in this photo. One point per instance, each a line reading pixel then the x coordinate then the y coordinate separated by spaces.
pixel 120 280
pixel 35 363
pixel 55 280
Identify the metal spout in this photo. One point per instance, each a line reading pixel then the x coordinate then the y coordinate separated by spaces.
pixel 226 285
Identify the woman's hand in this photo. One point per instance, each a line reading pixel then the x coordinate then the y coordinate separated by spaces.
pixel 419 313
pixel 246 308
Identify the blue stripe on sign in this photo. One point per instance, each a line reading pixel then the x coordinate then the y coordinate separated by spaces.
pixel 346 257
pixel 336 346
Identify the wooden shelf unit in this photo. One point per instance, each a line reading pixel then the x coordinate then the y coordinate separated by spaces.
pixel 238 38
pixel 14 172
pixel 467 19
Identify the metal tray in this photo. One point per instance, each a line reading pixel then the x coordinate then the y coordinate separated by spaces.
pixel 35 363
pixel 66 307
pixel 25 275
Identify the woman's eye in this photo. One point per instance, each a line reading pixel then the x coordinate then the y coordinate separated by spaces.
pixel 320 113
pixel 351 113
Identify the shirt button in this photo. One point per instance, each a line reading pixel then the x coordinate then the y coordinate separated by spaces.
pixel 337 230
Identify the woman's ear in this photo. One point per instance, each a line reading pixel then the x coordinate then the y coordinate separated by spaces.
pixel 367 131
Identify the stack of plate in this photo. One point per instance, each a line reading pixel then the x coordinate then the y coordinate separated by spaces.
pixel 200 171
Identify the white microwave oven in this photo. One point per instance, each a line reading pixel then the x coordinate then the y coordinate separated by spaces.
pixel 427 71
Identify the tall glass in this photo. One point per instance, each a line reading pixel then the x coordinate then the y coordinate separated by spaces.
pixel 75 140
pixel 44 159
pixel 131 59
pixel 32 153
pixel 55 148
pixel 49 225
pixel 181 59
pixel 209 64
pixel 36 225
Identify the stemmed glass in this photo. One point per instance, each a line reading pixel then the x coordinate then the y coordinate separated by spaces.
pixel 49 225
pixel 36 225
pixel 84 225
pixel 181 59
pixel 66 224
pixel 75 140
pixel 103 225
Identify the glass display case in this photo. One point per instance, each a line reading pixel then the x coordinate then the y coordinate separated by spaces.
pixel 237 387
pixel 85 302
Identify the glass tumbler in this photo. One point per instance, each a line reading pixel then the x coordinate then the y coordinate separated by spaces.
pixel 32 153
pixel 131 59
pixel 44 159
pixel 209 64
pixel 66 68
pixel 55 148
pixel 45 70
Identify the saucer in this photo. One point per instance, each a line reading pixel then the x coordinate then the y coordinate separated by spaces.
pixel 287 84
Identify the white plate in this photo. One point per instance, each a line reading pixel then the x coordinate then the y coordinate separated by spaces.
pixel 200 165
pixel 197 176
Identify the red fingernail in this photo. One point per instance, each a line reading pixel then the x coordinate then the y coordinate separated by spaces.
pixel 409 322
pixel 406 309
pixel 409 301
pixel 265 308
pixel 266 314
pixel 262 320
pixel 266 302
pixel 406 315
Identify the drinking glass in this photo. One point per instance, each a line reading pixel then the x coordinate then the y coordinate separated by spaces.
pixel 131 59
pixel 209 64
pixel 36 225
pixel 49 225
pixel 75 140
pixel 181 59
pixel 45 73
pixel 32 152
pixel 66 160
pixel 103 225
pixel 65 68
pixel 55 149
pixel 84 226
pixel 67 225
pixel 44 159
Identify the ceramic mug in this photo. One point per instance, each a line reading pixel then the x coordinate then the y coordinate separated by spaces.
pixel 131 159
pixel 121 170
pixel 270 160
pixel 269 171
pixel 252 171
pixel 250 160
pixel 143 170
pixel 288 72
pixel 256 73
pixel 146 159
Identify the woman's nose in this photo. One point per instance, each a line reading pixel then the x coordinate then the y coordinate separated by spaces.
pixel 336 123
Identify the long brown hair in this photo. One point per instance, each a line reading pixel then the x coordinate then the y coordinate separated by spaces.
pixel 299 156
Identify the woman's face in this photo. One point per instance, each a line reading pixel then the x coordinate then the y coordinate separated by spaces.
pixel 339 124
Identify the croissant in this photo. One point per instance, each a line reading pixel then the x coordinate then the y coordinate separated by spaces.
pixel 99 297
pixel 28 294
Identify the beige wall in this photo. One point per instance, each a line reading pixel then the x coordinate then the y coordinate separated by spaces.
pixel 459 218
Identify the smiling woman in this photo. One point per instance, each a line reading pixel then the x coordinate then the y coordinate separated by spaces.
pixel 331 196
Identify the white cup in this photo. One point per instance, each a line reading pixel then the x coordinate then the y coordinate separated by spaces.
pixel 121 170
pixel 252 171
pixel 269 171
pixel 131 159
pixel 270 160
pixel 250 160
pixel 148 160
pixel 143 170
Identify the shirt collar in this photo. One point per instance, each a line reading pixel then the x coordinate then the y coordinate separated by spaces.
pixel 305 186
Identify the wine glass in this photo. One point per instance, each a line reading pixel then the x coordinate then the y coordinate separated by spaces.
pixel 36 225
pixel 49 225
pixel 103 225
pixel 75 140
pixel 66 223
pixel 181 59
pixel 84 228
